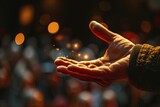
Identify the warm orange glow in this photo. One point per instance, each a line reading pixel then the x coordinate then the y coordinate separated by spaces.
pixel 53 27
pixel 59 37
pixel 38 96
pixel 68 45
pixel 19 39
pixel 57 49
pixel 76 45
pixel 85 56
pixel 79 54
pixel 26 15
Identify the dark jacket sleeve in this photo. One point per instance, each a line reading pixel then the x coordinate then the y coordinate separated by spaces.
pixel 144 67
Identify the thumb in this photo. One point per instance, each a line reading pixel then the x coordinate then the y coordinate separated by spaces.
pixel 101 31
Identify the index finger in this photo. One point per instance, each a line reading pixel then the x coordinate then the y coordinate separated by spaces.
pixel 89 71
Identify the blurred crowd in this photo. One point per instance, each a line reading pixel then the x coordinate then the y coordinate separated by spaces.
pixel 27 71
pixel 28 78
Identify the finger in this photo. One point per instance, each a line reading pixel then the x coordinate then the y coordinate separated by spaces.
pixel 86 70
pixel 60 62
pixel 96 62
pixel 62 69
pixel 101 31
pixel 92 66
pixel 83 77
pixel 69 60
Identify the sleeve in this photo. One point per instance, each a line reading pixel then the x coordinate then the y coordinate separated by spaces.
pixel 144 67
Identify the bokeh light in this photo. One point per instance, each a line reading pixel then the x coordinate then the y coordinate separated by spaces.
pixel 109 94
pixel 19 39
pixel 26 15
pixel 86 56
pixel 14 47
pixel 29 52
pixel 53 27
pixel 59 37
pixel 131 36
pixel 146 26
pixel 68 45
pixel 86 97
pixel 76 44
pixel 38 96
pixel 57 49
pixel 54 53
pixel 79 55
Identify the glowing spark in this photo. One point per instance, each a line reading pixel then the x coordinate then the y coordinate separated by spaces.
pixel 75 45
pixel 68 45
pixel 57 49
pixel 85 56
pixel 79 54
pixel 72 51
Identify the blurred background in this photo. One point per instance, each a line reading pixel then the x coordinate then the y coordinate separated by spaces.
pixel 33 33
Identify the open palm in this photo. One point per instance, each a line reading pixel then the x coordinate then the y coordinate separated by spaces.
pixel 109 68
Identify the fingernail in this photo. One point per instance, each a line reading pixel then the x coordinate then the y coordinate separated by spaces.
pixel 93 24
pixel 101 31
pixel 97 27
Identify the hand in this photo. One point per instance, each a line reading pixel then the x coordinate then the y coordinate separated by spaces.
pixel 109 68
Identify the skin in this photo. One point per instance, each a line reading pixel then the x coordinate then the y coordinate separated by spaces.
pixel 111 67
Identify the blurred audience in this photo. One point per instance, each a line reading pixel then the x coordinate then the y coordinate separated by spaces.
pixel 27 73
